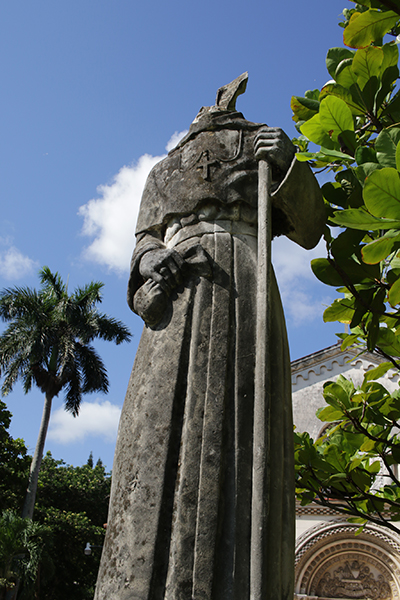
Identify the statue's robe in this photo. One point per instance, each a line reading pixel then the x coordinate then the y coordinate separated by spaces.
pixel 180 510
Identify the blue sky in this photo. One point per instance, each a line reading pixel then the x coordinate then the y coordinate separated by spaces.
pixel 93 91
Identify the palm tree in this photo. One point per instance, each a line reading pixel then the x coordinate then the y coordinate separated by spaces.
pixel 48 342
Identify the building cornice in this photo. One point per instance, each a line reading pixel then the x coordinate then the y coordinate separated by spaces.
pixel 325 360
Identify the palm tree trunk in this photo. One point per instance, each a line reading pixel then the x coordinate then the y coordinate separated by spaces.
pixel 27 511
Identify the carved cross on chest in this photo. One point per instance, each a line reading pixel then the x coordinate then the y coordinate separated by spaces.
pixel 205 161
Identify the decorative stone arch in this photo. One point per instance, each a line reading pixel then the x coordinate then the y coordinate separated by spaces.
pixel 332 562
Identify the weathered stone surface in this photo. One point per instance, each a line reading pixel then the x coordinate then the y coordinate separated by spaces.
pixel 180 517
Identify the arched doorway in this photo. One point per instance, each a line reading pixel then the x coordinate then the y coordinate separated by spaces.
pixel 332 562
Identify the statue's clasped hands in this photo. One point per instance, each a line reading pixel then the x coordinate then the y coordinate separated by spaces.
pixel 163 266
pixel 272 144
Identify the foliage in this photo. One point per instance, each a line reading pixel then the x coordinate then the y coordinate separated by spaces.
pixel 352 467
pixel 354 121
pixel 83 489
pixel 74 573
pixel 46 555
pixel 49 342
pixel 24 549
pixel 73 503
pixel 14 465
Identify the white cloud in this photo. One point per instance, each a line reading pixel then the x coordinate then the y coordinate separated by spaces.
pixel 175 138
pixel 111 219
pixel 14 264
pixel 303 297
pixel 96 419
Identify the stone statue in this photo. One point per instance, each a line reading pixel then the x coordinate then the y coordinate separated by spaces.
pixel 179 526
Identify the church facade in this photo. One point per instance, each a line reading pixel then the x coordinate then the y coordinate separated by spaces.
pixel 331 561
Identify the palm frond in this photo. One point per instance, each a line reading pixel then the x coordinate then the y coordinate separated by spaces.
pixel 73 388
pixel 110 329
pixel 16 368
pixel 18 302
pixel 94 373
pixel 87 296
pixel 27 378
pixel 52 282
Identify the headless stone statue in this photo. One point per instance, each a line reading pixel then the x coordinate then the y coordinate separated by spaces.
pixel 179 526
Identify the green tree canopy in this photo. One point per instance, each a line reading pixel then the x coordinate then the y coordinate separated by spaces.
pixel 73 503
pixel 24 548
pixel 14 465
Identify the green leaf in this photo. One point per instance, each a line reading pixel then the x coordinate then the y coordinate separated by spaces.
pixel 329 414
pixel 382 193
pixel 351 185
pixel 372 332
pixel 369 92
pixel 338 393
pixel 392 110
pixel 394 294
pixel 390 56
pixel 388 81
pixel 325 155
pixel 314 131
pixel 378 250
pixel 388 342
pixel 346 384
pixel 335 117
pixel 357 520
pixel 308 156
pixel 334 89
pixel 365 155
pixel 374 468
pixel 335 155
pixel 303 108
pixel 378 371
pixel 332 455
pixel 346 244
pixel 334 194
pixel 335 56
pixel 365 170
pixel 344 271
pixel 396 454
pixel 349 340
pixel 368 445
pixel 341 310
pixel 370 3
pixel 367 63
pixel 312 94
pixel 385 146
pixel 345 75
pixel 364 28
pixel 325 272
pixel 392 275
pixel 357 218
pixel 398 156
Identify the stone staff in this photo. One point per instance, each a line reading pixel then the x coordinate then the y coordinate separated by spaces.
pixel 262 396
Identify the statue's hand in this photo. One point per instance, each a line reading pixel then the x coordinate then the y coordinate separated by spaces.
pixel 164 266
pixel 272 144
